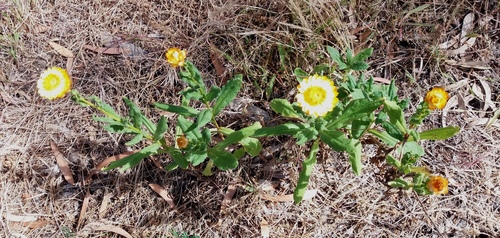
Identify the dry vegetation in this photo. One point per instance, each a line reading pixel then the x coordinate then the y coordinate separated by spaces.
pixel 224 38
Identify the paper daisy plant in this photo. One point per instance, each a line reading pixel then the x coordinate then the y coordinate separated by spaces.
pixel 54 83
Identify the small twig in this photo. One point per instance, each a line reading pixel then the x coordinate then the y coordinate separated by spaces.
pixel 427 214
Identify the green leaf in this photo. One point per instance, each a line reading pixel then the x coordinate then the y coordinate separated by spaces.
pixel 354 110
pixel 392 130
pixel 134 113
pixel 181 110
pixel 396 115
pixel 349 57
pixel 148 124
pixel 134 159
pixel 222 159
pixel 321 69
pixel 305 173
pixel 300 74
pixel 355 157
pixel 393 161
pixel 284 108
pixel 413 148
pixel 171 167
pixel 335 55
pixel 104 106
pixel 137 138
pixel 363 55
pixel 359 126
pixel 337 140
pixel 440 133
pixel 178 157
pixel 283 129
pixel 204 117
pixel 228 93
pixel 392 92
pixel 306 135
pixel 196 157
pixel 399 183
pixel 237 136
pixel 239 153
pixel 119 129
pixel 384 136
pixel 252 146
pixel 107 120
pixel 160 129
pixel 419 179
pixel 213 93
pixel 359 66
pixel 189 128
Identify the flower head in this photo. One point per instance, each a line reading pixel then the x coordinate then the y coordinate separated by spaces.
pixel 54 83
pixel 176 57
pixel 436 98
pixel 182 142
pixel 438 185
pixel 317 95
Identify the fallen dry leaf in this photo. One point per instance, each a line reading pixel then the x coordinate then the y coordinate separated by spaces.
pixel 104 203
pixel 264 228
pixel 85 205
pixel 98 226
pixel 105 50
pixel 16 218
pixel 218 63
pixel 35 224
pixel 62 163
pixel 107 161
pixel 164 194
pixel 308 195
pixel 61 50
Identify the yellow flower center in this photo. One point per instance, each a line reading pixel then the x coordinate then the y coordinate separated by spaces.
pixel 315 95
pixel 51 82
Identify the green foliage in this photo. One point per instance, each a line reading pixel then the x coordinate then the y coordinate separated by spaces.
pixel 363 107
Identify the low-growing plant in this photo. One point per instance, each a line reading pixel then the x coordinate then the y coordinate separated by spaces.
pixel 339 115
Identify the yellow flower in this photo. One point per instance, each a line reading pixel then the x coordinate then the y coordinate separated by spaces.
pixel 436 98
pixel 54 83
pixel 438 185
pixel 176 57
pixel 317 95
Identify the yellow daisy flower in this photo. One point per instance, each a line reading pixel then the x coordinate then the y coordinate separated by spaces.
pixel 176 57
pixel 54 83
pixel 317 95
pixel 438 185
pixel 436 98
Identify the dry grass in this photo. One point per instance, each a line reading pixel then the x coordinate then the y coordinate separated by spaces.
pixel 247 37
